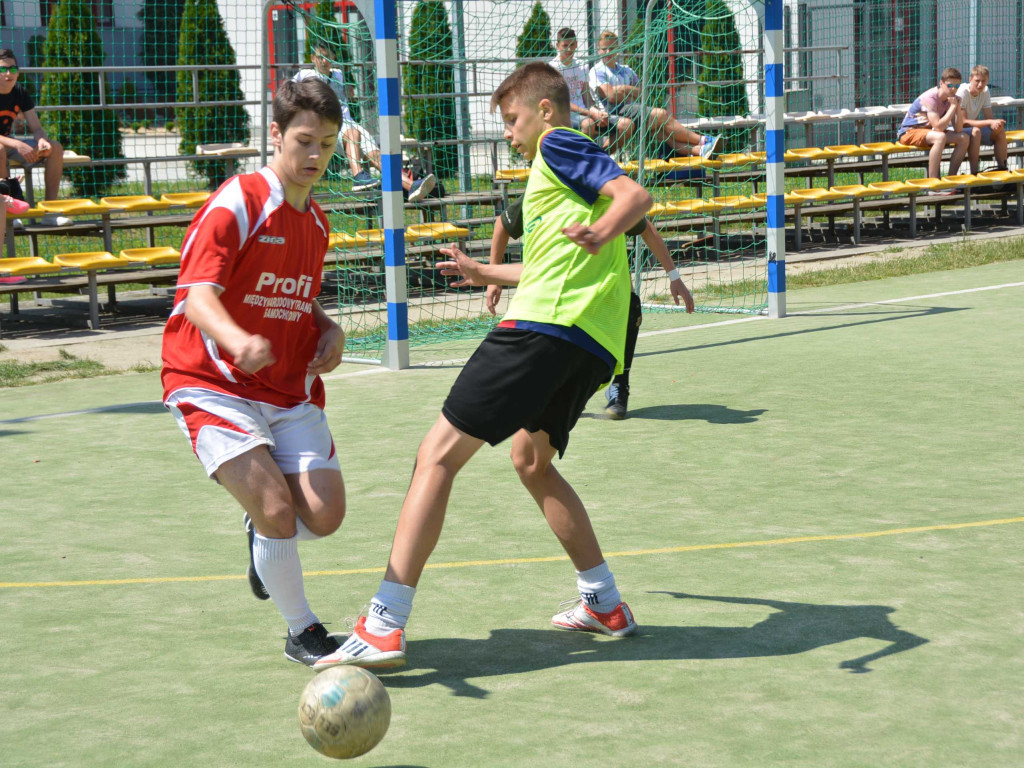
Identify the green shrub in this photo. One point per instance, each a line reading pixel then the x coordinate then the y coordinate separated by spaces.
pixel 202 40
pixel 722 90
pixel 433 119
pixel 535 41
pixel 73 42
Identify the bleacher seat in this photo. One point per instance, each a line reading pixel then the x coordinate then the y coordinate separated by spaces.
pixel 155 256
pixel 27 266
pixel 187 199
pixel 134 203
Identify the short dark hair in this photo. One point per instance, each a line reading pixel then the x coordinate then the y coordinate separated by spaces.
pixel 565 33
pixel 311 94
pixel 7 53
pixel 531 83
pixel 951 73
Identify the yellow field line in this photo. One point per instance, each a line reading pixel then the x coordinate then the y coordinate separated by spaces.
pixel 524 560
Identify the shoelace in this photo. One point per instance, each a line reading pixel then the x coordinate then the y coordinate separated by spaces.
pixel 570 603
pixel 350 623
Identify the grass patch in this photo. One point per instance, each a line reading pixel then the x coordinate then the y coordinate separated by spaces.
pixel 17 374
pixel 936 258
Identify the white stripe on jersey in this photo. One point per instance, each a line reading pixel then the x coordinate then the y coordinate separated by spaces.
pixel 214 353
pixel 231 198
pixel 274 201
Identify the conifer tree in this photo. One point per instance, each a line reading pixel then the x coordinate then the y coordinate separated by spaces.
pixel 431 119
pixel 722 90
pixel 161 20
pixel 203 40
pixel 73 42
pixel 535 42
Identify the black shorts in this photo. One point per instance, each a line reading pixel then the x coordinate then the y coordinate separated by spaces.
pixel 519 379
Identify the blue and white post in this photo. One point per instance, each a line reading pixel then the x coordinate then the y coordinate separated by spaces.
pixel 775 144
pixel 396 353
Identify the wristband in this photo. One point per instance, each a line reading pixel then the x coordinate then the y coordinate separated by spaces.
pixel 673 275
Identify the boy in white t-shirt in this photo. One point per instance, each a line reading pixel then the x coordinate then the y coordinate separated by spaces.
pixel 979 122
pixel 583 115
pixel 354 140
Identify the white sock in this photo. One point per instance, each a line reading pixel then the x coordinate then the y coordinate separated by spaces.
pixel 304 533
pixel 278 566
pixel 390 608
pixel 597 588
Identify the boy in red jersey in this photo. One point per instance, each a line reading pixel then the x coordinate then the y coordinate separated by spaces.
pixel 245 346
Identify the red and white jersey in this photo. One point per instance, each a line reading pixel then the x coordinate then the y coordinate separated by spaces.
pixel 269 259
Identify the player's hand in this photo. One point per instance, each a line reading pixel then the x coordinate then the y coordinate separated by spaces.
pixel 584 237
pixel 680 291
pixel 997 125
pixel 460 265
pixel 43 147
pixel 28 153
pixel 493 297
pixel 253 354
pixel 329 350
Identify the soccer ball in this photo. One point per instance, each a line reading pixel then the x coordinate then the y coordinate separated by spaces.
pixel 344 712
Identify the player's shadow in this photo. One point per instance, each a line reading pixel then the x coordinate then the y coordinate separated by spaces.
pixel 792 628
pixel 713 414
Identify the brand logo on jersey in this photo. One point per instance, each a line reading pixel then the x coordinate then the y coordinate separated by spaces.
pixel 271 239
pixel 289 286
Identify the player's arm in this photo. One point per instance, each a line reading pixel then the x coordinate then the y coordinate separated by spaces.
pixel 939 122
pixel 991 120
pixel 676 285
pixel 205 311
pixel 473 274
pixel 499 243
pixel 38 132
pixel 630 202
pixel 331 345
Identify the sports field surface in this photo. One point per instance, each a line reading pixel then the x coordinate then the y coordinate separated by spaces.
pixel 818 522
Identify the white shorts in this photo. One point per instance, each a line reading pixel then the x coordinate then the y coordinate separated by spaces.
pixel 221 427
pixel 366 143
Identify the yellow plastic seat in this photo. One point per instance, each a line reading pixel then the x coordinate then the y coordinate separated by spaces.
pixel 893 187
pixel 888 147
pixel 1001 177
pixel 686 206
pixel 74 207
pixel 966 180
pixel 931 184
pixel 658 209
pixel 90 260
pixel 187 199
pixel 1015 135
pixel 731 203
pixel 436 230
pixel 344 240
pixel 850 150
pixel 739 158
pixel 811 153
pixel 818 195
pixel 25 266
pixel 135 203
pixel 787 199
pixel 513 174
pixel 693 162
pixel 156 256
pixel 366 236
pixel 761 157
pixel 855 190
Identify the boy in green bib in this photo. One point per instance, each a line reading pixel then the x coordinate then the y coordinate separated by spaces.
pixel 563 337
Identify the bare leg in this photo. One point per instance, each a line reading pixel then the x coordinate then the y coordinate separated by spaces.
pixel 374 159
pixel 961 143
pixel 974 149
pixel 531 455
pixel 938 143
pixel 351 140
pixel 443 452
pixel 54 170
pixel 999 146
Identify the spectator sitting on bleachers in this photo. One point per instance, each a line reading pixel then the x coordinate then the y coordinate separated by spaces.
pixel 979 123
pixel 16 102
pixel 616 89
pixel 583 114
pixel 935 120
pixel 355 141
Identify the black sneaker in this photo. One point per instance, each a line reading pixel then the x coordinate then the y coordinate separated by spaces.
pixel 309 645
pixel 255 583
pixel 618 400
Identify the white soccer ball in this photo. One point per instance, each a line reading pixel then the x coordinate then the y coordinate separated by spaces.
pixel 344 712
